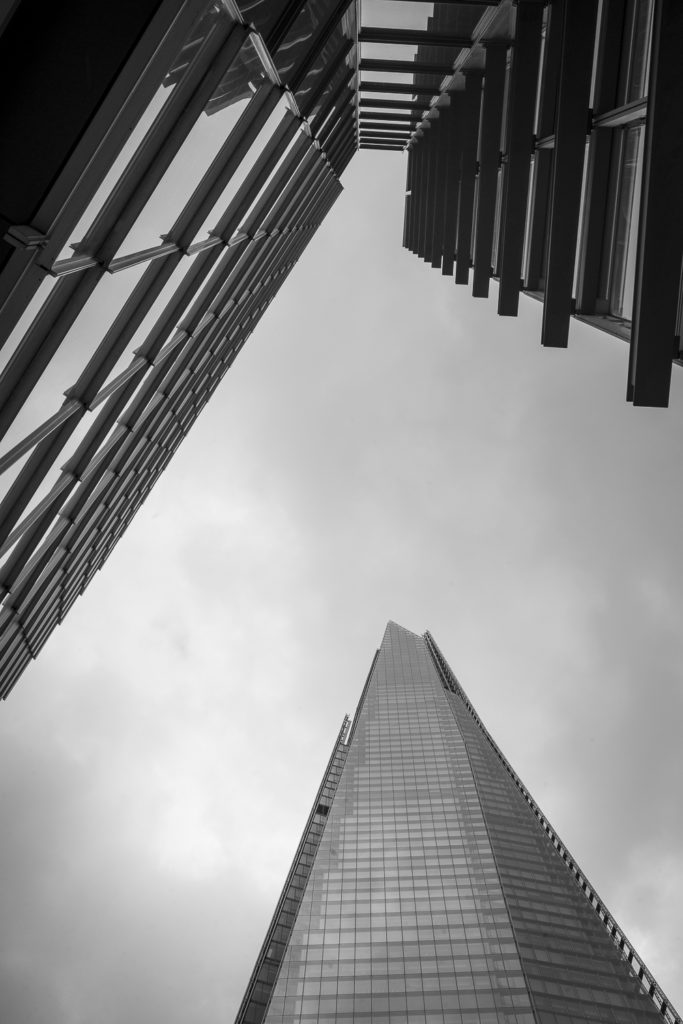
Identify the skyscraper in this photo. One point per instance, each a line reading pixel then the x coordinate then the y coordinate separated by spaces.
pixel 429 887
pixel 190 149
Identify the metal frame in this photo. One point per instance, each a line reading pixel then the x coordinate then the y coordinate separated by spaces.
pixel 54 540
pixel 544 193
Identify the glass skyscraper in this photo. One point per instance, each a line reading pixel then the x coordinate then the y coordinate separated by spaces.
pixel 429 888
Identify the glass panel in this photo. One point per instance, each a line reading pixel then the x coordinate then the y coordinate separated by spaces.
pixel 99 311
pixel 182 177
pixel 496 221
pixel 263 14
pixel 533 185
pixel 331 86
pixel 53 476
pixel 621 258
pixel 636 51
pixel 11 473
pixel 299 39
pixel 346 30
pixel 581 223
pixel 167 292
pixel 22 325
pixel 163 94
pixel 54 471
pixel 623 278
pixel 113 175
pixel 197 152
pixel 242 172
pixel 240 80
pixel 541 73
pixel 5 557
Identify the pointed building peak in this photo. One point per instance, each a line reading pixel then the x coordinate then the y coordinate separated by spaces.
pixel 396 628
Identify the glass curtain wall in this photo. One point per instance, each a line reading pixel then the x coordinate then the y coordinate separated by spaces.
pixel 218 186
pixel 403 918
pixel 439 894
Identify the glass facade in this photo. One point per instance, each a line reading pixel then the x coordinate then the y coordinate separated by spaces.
pixel 574 972
pixel 435 896
pixel 156 261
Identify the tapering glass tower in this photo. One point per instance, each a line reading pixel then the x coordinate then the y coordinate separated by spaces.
pixel 428 887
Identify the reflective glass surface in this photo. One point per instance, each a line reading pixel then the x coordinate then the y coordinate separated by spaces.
pixel 320 69
pixel 574 971
pixel 333 83
pixel 300 39
pixel 436 897
pixel 618 269
pixel 232 88
pixel 263 14
pixel 635 60
pixel 199 150
pixel 265 973
pixel 403 917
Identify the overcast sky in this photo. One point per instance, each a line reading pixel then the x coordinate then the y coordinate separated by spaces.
pixel 384 447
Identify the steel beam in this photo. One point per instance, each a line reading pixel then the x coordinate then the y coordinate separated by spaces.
pixel 433 198
pixel 419 192
pixel 470 134
pixel 655 335
pixel 276 35
pixel 409 88
pixel 489 156
pixel 390 136
pixel 520 121
pixel 111 226
pixel 461 3
pixel 370 116
pixel 385 129
pixel 393 104
pixel 440 135
pixel 564 200
pixel 306 106
pixel 534 271
pixel 452 117
pixel 408 66
pixel 409 184
pixel 320 39
pixel 599 157
pixel 413 37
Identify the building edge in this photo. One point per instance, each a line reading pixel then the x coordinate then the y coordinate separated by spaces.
pixel 256 999
pixel 636 963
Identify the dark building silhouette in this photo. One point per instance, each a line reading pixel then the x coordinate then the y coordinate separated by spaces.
pixel 167 161
pixel 428 886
